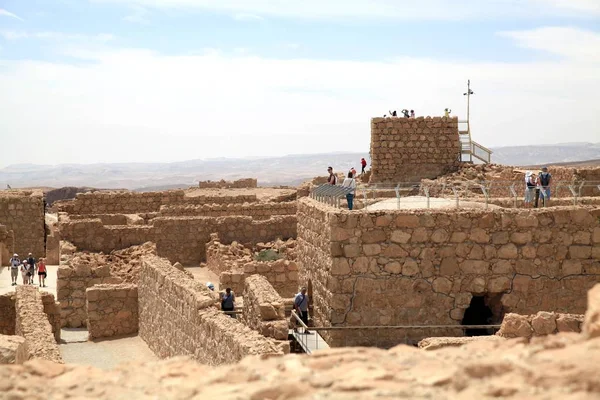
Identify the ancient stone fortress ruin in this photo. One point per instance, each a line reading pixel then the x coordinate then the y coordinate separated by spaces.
pixel 376 277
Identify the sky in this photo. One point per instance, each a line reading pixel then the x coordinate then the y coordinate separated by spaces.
pixel 95 81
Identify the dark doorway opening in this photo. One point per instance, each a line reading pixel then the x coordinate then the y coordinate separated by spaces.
pixel 483 310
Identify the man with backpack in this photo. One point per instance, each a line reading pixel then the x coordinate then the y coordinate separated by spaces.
pixel 544 181
pixel 301 306
pixel 32 267
pixel 15 263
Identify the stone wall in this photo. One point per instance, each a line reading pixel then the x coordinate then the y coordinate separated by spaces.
pixel 254 210
pixel 72 281
pixel 8 316
pixel 183 239
pixel 540 324
pixel 222 184
pixel 135 202
pixel 112 310
pixel 179 316
pixel 53 312
pixel 281 274
pixel 6 245
pixel 407 150
pixel 32 324
pixel 264 309
pixel 23 213
pixel 425 267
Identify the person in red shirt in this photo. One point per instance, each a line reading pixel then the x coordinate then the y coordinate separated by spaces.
pixel 42 272
pixel 363 164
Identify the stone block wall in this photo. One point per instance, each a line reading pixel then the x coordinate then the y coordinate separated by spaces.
pixel 254 210
pixel 32 324
pixel 8 316
pixel 407 150
pixel 53 312
pixel 72 281
pixel 222 184
pixel 540 324
pixel 112 310
pixel 183 239
pixel 425 267
pixel 6 245
pixel 281 274
pixel 264 309
pixel 180 316
pixel 23 213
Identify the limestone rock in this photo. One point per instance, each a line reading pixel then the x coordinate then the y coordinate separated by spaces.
pixel 10 345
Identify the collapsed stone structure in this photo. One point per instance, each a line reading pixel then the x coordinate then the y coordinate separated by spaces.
pixel 223 184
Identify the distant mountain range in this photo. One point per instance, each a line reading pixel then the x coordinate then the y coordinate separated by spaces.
pixel 287 170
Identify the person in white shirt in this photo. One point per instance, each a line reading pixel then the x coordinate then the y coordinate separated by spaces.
pixel 349 182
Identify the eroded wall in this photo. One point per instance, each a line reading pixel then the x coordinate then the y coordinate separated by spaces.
pixel 424 267
pixel 180 316
pixel 264 309
pixel 254 210
pixel 23 213
pixel 8 314
pixel 223 184
pixel 410 149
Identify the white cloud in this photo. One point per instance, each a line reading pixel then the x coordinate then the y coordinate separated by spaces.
pixel 571 43
pixel 139 15
pixel 9 14
pixel 378 9
pixel 15 35
pixel 138 105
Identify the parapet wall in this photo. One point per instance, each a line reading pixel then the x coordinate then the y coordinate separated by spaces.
pixel 222 184
pixel 112 310
pixel 254 210
pixel 8 316
pixel 425 267
pixel 179 316
pixel 53 312
pixel 264 309
pixel 23 213
pixel 408 150
pixel 32 324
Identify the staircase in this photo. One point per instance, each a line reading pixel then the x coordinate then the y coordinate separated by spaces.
pixel 470 148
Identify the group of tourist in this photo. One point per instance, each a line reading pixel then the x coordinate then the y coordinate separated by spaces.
pixel 537 188
pixel 29 267
pixel 404 112
pixel 349 181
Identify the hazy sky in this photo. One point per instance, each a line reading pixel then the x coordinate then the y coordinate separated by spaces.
pixel 167 80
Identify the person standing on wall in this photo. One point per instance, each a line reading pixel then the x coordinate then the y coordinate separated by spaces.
pixel 301 306
pixel 42 272
pixel 15 263
pixel 331 179
pixel 363 164
pixel 412 113
pixel 349 182
pixel 228 302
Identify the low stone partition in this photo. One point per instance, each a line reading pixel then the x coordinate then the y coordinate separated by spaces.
pixel 281 274
pixel 112 310
pixel 72 281
pixel 10 346
pixel 254 210
pixel 264 309
pixel 180 316
pixel 32 324
pixel 8 314
pixel 243 183
pixel 540 324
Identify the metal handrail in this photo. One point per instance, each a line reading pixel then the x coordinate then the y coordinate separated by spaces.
pixel 372 327
pixel 304 337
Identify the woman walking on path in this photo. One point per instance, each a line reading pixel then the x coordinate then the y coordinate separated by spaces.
pixel 349 182
pixel 42 272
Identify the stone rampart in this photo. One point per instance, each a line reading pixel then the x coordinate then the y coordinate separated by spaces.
pixel 136 203
pixel 407 150
pixel 32 324
pixel 179 316
pixel 540 324
pixel 112 310
pixel 254 210
pixel 72 281
pixel 264 309
pixel 8 314
pixel 223 184
pixel 23 213
pixel 427 267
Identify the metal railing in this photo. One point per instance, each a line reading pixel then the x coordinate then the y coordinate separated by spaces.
pixel 330 194
pixel 303 335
